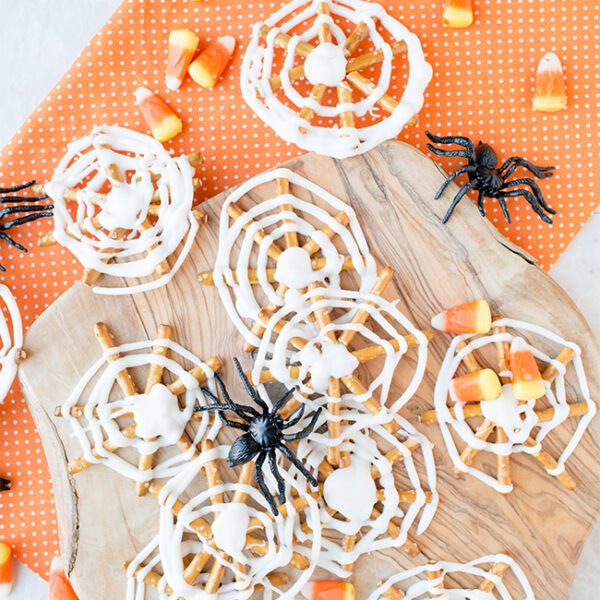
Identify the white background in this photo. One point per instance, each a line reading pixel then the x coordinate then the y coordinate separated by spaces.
pixel 39 39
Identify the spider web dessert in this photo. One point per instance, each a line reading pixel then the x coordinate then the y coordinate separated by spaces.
pixel 224 540
pixel 107 426
pixel 335 61
pixel 11 336
pixel 505 426
pixel 480 579
pixel 118 194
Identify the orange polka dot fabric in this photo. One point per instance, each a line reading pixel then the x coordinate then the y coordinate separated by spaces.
pixel 482 87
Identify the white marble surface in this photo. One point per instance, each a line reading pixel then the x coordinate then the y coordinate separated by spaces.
pixel 39 41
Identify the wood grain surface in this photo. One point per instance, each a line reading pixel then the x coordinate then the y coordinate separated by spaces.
pixel 102 522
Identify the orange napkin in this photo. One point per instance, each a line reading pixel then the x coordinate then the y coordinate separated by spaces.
pixel 482 87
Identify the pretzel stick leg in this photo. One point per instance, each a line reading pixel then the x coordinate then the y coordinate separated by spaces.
pixel 503 462
pixel 468 454
pixel 548 462
pixel 497 569
pixel 433 576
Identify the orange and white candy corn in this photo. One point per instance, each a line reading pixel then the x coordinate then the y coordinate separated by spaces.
pixel 159 117
pixel 6 572
pixel 478 386
pixel 60 586
pixel 458 13
pixel 211 62
pixel 550 95
pixel 473 317
pixel 527 382
pixel 329 590
pixel 182 47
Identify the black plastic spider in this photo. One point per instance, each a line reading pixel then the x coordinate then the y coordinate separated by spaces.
pixel 490 181
pixel 38 212
pixel 263 434
pixel 4 484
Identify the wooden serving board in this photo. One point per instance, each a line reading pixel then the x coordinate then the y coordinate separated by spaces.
pixel 103 524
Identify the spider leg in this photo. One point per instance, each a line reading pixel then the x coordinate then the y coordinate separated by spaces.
pixel 8 239
pixel 250 388
pixel 503 206
pixel 26 219
pixel 9 210
pixel 277 475
pixel 295 417
pixel 480 205
pixel 449 153
pixel 459 196
pixel 536 190
pixel 283 401
pixel 220 408
pixel 260 481
pixel 10 199
pixel 234 406
pixel 532 200
pixel 290 437
pixel 17 188
pixel 458 140
pixel 451 178
pixel 516 161
pixel 294 460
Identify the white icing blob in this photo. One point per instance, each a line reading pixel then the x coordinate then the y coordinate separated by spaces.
pixel 230 527
pixel 352 491
pixel 157 414
pixel 122 208
pixel 333 360
pixel 326 65
pixel 295 300
pixel 294 269
pixel 12 341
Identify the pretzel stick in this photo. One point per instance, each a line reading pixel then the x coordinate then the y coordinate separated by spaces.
pixel 497 569
pixel 211 470
pixel 395 456
pixel 549 463
pixel 162 268
pixel 468 454
pixel 206 277
pixel 356 38
pixel 503 352
pixel 105 339
pixel 392 593
pixel 432 576
pixel 155 373
pixel 283 39
pixel 178 387
pixel 150 578
pixel 565 356
pixel 362 315
pixel 235 212
pixel 344 93
pixel 283 188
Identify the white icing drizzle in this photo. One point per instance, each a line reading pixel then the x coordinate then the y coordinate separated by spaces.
pixel 478 570
pixel 177 538
pixel 505 411
pixel 351 490
pixel 326 65
pixel 87 167
pixel 159 412
pixel 12 341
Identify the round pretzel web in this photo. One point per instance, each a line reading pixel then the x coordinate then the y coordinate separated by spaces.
pixel 337 46
pixel 535 419
pixel 223 542
pixel 108 426
pixel 118 194
pixel 11 336
pixel 483 579
pixel 384 486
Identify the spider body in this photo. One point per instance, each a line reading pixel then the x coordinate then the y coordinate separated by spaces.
pixel 32 212
pixel 264 434
pixel 489 180
pixel 4 484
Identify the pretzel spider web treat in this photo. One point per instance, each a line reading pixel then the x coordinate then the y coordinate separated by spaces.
pixel 149 421
pixel 384 486
pixel 313 58
pixel 484 579
pixel 118 194
pixel 11 337
pixel 505 426
pixel 223 542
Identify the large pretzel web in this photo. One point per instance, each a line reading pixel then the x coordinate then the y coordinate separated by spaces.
pixel 334 51
pixel 112 428
pixel 535 419
pixel 118 194
pixel 224 539
pixel 11 338
pixel 482 579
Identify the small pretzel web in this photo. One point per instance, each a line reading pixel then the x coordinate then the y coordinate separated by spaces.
pixel 487 578
pixel 11 340
pixel 333 62
pixel 263 553
pixel 123 206
pixel 539 418
pixel 105 424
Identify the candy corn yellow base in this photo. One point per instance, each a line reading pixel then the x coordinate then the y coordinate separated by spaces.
pixel 528 390
pixel 199 74
pixel 170 127
pixel 550 104
pixel 457 18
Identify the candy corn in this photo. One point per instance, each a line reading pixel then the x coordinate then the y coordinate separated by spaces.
pixel 159 117
pixel 329 590
pixel 473 317
pixel 477 386
pixel 60 587
pixel 527 382
pixel 6 574
pixel 211 63
pixel 458 13
pixel 550 95
pixel 182 46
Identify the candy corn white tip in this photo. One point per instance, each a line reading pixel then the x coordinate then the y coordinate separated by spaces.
pixel 142 94
pixel 172 83
pixel 5 590
pixel 228 41
pixel 550 62
pixel 438 321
